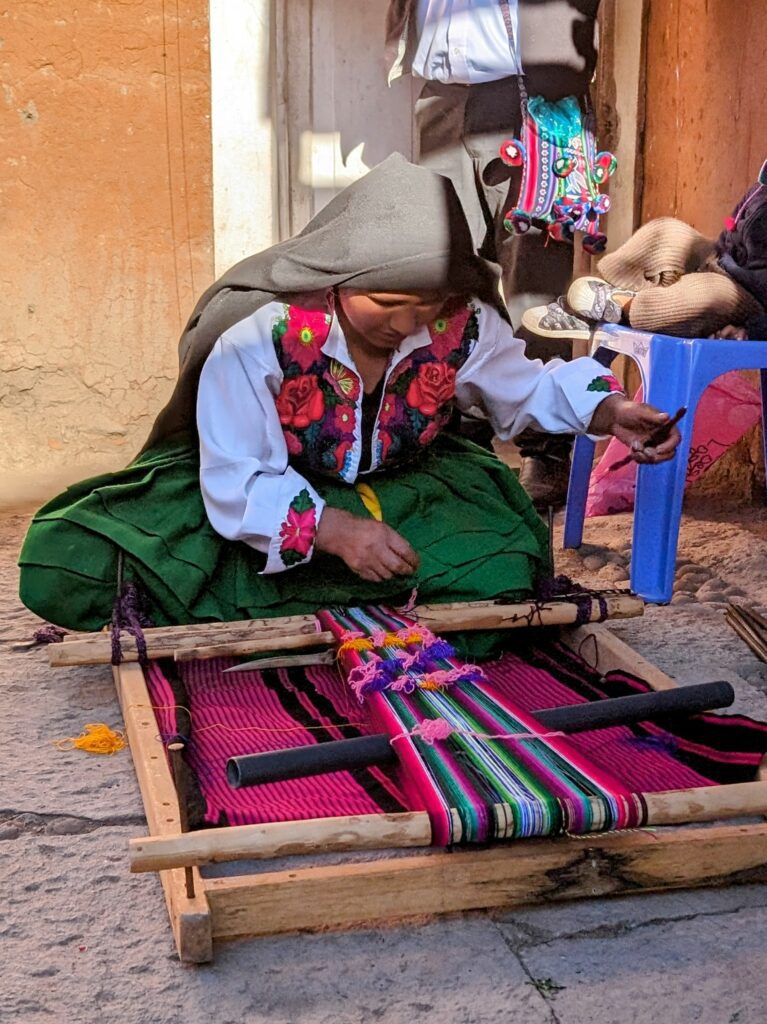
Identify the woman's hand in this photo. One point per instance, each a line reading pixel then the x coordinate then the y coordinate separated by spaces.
pixel 633 423
pixel 371 549
pixel 731 333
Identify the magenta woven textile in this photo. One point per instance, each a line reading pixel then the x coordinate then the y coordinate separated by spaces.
pixel 259 711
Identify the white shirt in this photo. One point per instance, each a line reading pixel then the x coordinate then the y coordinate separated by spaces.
pixel 246 480
pixel 465 41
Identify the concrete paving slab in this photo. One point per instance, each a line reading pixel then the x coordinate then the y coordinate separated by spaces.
pixel 701 970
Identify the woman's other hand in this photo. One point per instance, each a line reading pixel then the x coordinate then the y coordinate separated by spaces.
pixel 371 549
pixel 634 423
pixel 731 333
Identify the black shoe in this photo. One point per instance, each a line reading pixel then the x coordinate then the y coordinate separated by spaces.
pixel 545 479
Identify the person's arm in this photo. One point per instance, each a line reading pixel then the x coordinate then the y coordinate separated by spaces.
pixel 559 397
pixel 250 492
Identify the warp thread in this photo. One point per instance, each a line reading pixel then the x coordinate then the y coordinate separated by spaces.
pixel 432 730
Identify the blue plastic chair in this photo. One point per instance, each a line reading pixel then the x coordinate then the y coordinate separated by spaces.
pixel 675 372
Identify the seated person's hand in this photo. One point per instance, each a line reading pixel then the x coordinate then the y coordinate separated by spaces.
pixel 634 423
pixel 732 333
pixel 371 549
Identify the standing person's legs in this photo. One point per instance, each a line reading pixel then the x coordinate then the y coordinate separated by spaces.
pixel 442 112
pixel 534 270
pixel 439 120
pixel 460 132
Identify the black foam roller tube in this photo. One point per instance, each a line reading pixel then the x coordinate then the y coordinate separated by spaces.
pixel 315 759
pixel 367 751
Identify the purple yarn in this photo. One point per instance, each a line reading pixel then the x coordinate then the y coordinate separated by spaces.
pixel 128 614
pixel 439 649
pixel 49 634
pixel 561 586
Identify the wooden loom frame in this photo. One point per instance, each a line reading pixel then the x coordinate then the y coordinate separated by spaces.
pixel 435 882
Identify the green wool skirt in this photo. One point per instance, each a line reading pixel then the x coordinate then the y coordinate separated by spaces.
pixel 462 510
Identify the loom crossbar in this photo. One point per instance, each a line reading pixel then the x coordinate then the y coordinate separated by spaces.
pixel 231 639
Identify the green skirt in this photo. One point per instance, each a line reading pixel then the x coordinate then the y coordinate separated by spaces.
pixel 462 510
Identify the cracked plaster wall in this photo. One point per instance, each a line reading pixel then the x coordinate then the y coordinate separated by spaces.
pixel 106 220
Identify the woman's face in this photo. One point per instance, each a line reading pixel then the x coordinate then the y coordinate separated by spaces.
pixel 384 319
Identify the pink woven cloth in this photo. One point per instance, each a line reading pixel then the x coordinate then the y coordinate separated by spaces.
pixel 253 712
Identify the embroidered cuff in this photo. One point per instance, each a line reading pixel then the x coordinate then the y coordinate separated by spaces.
pixel 293 540
pixel 589 384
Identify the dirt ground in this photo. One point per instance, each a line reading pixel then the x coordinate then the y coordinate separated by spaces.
pixel 84 941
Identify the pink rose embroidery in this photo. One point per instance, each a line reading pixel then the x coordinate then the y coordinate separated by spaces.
pixel 300 402
pixel 432 387
pixel 298 531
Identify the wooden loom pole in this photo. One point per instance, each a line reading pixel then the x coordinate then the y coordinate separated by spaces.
pixel 297 632
pixel 406 830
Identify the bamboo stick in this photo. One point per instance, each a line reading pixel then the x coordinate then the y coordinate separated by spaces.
pixel 748 628
pixel 406 830
pixel 296 632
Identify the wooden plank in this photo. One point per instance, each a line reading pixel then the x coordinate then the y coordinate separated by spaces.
pixel 190 918
pixel 620 108
pixel 530 872
pixel 606 652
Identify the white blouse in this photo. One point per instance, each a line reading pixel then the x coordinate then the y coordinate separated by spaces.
pixel 247 483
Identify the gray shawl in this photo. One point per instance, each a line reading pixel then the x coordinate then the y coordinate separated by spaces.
pixel 400 229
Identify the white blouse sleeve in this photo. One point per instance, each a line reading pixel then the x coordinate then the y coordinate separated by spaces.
pixel 250 492
pixel 515 392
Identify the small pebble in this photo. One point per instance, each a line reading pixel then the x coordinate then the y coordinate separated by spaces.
pixel 682 598
pixel 616 558
pixel 693 574
pixel 687 585
pixel 612 572
pixel 712 597
pixel 712 586
pixel 593 562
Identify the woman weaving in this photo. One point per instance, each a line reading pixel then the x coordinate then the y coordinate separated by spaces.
pixel 316 382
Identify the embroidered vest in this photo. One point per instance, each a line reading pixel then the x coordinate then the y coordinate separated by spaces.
pixel 320 399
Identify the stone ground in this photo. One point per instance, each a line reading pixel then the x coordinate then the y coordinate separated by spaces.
pixel 83 941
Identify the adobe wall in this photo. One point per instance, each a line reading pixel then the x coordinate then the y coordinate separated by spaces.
pixel 106 221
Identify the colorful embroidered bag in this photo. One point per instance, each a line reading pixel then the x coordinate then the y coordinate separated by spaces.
pixel 561 172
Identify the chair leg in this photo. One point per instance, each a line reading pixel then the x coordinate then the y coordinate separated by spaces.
pixel 577 491
pixel 763 375
pixel 657 517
